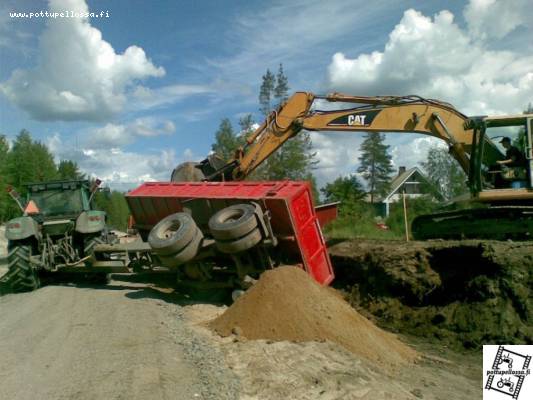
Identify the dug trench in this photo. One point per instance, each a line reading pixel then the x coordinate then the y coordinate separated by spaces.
pixel 459 293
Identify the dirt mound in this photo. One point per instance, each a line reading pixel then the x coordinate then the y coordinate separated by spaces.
pixel 286 304
pixel 466 293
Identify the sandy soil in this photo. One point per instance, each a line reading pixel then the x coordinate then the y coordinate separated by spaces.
pixel 324 370
pixel 139 340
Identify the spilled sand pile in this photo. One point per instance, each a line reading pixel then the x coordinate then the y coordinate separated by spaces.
pixel 286 304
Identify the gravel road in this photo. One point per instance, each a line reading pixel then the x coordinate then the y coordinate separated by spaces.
pixel 118 342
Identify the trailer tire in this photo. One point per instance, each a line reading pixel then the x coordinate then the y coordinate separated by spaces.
pixel 233 222
pixel 241 244
pixel 184 255
pixel 172 234
pixel 22 277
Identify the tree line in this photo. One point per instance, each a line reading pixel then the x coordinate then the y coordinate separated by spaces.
pixel 30 161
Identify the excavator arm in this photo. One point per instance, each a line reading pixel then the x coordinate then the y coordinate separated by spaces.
pixel 409 114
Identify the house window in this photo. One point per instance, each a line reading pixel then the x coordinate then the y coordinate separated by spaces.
pixel 411 188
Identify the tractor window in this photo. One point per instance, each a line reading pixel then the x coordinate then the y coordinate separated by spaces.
pixel 58 202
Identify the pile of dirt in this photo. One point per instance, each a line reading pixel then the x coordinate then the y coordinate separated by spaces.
pixel 286 304
pixel 465 293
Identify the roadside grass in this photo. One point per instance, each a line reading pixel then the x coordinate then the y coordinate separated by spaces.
pixel 350 227
pixel 358 220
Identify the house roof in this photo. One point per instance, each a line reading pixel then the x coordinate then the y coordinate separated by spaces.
pixel 401 179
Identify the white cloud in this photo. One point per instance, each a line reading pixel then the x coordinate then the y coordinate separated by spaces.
pixel 119 168
pixel 13 37
pixel 79 76
pixel 489 19
pixel 410 150
pixel 337 154
pixel 119 135
pixel 144 98
pixel 434 57
pixel 149 127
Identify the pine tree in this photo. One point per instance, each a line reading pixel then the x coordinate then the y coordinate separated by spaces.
pixel 24 162
pixel 246 124
pixel 69 170
pixel 226 140
pixel 44 166
pixel 295 159
pixel 115 205
pixel 266 93
pixel 281 91
pixel 376 166
pixel 4 180
pixel 29 161
pixel 346 189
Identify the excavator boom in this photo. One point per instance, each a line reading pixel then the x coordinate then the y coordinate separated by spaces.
pixel 409 114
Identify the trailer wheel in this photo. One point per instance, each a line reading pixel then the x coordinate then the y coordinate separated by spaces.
pixel 184 255
pixel 22 277
pixel 172 234
pixel 241 244
pixel 233 222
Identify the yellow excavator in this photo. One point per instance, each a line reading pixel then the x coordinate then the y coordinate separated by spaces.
pixel 501 197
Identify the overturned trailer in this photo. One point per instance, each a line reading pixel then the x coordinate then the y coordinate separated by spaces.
pixel 222 234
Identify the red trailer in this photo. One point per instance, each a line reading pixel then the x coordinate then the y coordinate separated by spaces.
pixel 284 230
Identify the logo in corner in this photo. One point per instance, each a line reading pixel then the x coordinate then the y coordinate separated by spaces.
pixel 506 378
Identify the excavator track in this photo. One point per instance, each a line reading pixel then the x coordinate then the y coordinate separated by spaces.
pixel 497 223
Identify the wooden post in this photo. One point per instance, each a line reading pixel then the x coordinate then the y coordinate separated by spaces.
pixel 405 217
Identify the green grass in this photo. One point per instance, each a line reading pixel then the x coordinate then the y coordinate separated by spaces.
pixel 350 227
pixel 357 220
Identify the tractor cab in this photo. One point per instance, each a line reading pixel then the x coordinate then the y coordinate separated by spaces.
pixel 62 199
pixel 58 205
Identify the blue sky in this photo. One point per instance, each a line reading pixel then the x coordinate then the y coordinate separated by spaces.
pixel 130 96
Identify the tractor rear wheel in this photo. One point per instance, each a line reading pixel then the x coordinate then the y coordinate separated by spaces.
pixel 22 276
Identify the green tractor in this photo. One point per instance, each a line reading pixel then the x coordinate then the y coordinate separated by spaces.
pixel 58 230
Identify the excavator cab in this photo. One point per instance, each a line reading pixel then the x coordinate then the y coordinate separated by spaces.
pixel 486 172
